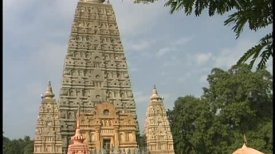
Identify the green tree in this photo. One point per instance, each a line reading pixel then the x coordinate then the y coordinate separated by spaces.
pixel 142 142
pixel 237 102
pixel 241 101
pixel 189 120
pixel 28 148
pixel 27 145
pixel 6 144
pixel 17 146
pixel 12 147
pixel 256 13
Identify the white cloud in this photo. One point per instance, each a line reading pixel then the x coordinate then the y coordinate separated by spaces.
pixel 229 56
pixel 49 57
pixel 138 45
pixel 174 45
pixel 173 60
pixel 14 5
pixel 182 41
pixel 203 58
pixel 163 51
pixel 141 98
pixel 136 18
pixel 203 78
pixel 183 78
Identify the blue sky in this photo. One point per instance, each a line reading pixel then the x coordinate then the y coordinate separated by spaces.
pixel 174 52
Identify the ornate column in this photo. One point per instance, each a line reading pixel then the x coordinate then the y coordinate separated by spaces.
pixel 97 138
pixel 116 144
pixel 134 136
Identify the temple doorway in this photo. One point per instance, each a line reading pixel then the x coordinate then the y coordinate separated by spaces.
pixel 106 145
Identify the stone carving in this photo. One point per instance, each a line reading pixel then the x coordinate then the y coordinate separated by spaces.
pixel 48 126
pixel 109 127
pixel 159 137
pixel 94 49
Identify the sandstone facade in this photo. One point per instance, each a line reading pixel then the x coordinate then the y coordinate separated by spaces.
pixel 96 111
pixel 109 130
pixel 95 71
pixel 47 134
pixel 158 134
pixel 95 68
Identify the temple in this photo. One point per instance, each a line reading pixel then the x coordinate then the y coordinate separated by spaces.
pixel 95 77
pixel 109 131
pixel 95 68
pixel 47 134
pixel 159 138
pixel 96 111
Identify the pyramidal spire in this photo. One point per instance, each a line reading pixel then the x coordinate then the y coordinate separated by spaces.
pixel 161 135
pixel 94 36
pixel 48 119
pixel 49 92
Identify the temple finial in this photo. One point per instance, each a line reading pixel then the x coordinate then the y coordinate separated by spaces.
pixel 78 138
pixel 155 90
pixel 49 92
pixel 155 94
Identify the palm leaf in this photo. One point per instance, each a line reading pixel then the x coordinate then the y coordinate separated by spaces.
pixel 265 43
pixel 265 56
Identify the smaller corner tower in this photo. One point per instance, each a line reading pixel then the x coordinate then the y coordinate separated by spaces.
pixel 158 134
pixel 47 134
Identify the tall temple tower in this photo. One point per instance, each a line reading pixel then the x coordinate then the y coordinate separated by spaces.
pixel 47 136
pixel 158 134
pixel 95 68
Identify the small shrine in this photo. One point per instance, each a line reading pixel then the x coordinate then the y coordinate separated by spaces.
pixel 108 130
pixel 78 147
